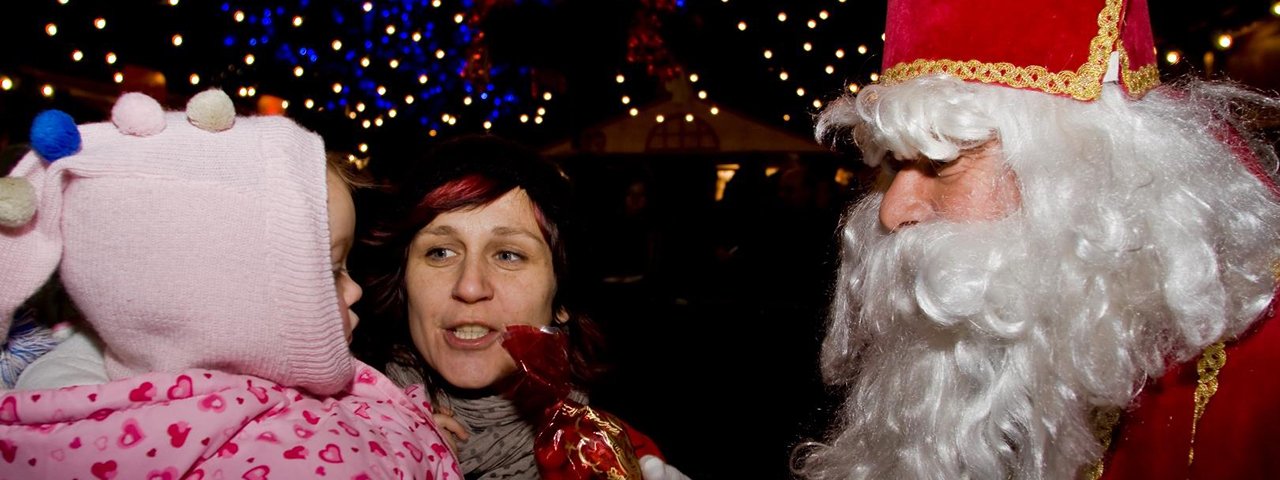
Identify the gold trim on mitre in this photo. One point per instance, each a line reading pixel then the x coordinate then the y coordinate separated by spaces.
pixel 1083 84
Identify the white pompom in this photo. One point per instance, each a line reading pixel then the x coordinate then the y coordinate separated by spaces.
pixel 17 201
pixel 211 110
pixel 137 114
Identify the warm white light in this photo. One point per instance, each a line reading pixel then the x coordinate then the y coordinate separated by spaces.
pixel 337 88
pixel 392 113
pixel 382 90
pixel 177 40
pixel 422 78
pixel 337 45
pixel 248 59
pixel 298 71
pixel 688 117
pixel 244 92
pixel 702 94
pixel 252 91
pixel 783 76
pixel 440 53
pixel 1275 9
pixel 488 124
pixel 875 77
pixel 391 30
pixel 433 132
pixel 238 16
pixel 808 46
pixel 284 104
pixel 634 111
pixel 435 3
pixel 660 118
pixel 118 77
pixel 453 120
pixel 715 110
pixel 786 117
pixel 839 53
pixel 194 79
pixel 100 23
pixel 768 54
pixel 63 2
pixel 1172 57
pixel 524 118
pixel 377 122
pixel 351 115
pixel 862 49
pixel 47 90
pixel 1224 41
pixel 812 23
pixel 394 63
pixel 542 110
pixel 546 96
pixel 364 61
pixel 742 26
pixel 817 103
pixel 417 36
pixel 51 29
pixel 309 103
pixel 693 77
pixel 297 21
pixel 360 107
pixel 6 83
pixel 620 78
pixel 408 99
pixel 173 3
pixel 458 18
pixel 445 118
pixel 800 92
pixel 881 36
pixel 823 14
pixel 537 120
pixel 77 55
pixel 626 100
pixel 466 100
pixel 853 88
pixel 830 69
pixel 368 6
pixel 364 147
pixel 111 58
pixel 782 16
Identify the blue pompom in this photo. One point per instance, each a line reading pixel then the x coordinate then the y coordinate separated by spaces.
pixel 54 135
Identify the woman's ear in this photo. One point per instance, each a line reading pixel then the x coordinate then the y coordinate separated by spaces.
pixel 562 316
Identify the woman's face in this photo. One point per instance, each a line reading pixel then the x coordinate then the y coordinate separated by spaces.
pixel 471 273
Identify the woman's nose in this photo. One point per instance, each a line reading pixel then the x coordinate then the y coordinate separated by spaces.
pixel 473 282
pixel 907 202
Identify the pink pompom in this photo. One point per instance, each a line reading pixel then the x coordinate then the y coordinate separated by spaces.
pixel 138 114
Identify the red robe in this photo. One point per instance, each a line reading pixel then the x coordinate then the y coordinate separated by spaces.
pixel 1238 435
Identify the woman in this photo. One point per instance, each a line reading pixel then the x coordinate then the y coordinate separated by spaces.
pixel 477 239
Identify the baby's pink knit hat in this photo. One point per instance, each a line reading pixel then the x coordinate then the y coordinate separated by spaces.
pixel 195 240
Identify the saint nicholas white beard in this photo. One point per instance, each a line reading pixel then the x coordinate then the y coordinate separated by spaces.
pixel 961 364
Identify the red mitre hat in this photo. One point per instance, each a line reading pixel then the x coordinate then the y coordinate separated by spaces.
pixel 1055 46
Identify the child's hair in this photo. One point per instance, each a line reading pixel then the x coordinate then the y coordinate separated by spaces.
pixel 353 178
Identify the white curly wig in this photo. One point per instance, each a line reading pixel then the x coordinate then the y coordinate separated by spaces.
pixel 978 350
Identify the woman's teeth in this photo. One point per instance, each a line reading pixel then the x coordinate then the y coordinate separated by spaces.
pixel 470 332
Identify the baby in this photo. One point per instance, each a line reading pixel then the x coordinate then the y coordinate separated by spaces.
pixel 195 245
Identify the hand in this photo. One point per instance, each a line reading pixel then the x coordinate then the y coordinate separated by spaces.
pixel 653 468
pixel 451 430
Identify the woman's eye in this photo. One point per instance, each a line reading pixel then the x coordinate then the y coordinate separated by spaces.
pixel 510 256
pixel 440 253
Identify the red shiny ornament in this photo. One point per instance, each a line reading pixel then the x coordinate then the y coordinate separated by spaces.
pixel 571 441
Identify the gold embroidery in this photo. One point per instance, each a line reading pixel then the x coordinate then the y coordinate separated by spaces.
pixel 1083 84
pixel 1211 361
pixel 1104 423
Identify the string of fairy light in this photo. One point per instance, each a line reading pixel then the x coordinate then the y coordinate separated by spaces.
pixel 375 62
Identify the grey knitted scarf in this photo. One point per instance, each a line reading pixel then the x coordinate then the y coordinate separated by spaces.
pixel 501 443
